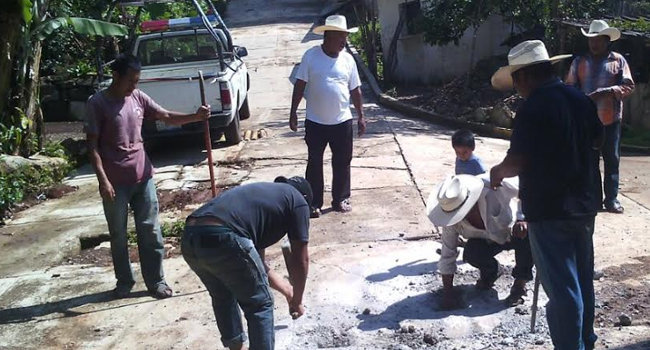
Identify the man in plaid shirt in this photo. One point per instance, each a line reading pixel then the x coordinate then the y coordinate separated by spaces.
pixel 605 76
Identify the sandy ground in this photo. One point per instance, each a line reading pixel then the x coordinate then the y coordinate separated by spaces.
pixel 373 281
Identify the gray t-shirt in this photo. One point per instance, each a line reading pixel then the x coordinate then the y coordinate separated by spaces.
pixel 263 212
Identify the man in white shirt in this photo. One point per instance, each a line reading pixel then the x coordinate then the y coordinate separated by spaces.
pixel 330 77
pixel 491 221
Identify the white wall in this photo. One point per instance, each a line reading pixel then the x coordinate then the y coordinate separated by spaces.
pixel 422 63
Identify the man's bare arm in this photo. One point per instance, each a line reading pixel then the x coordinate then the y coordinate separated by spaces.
pixel 106 189
pixel 296 97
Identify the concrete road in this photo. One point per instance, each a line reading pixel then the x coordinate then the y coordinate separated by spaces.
pixel 372 271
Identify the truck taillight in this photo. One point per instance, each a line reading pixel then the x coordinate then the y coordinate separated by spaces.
pixel 226 100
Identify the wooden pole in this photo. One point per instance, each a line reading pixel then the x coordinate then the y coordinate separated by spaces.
pixel 206 134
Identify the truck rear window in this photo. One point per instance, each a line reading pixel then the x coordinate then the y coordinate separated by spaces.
pixel 177 49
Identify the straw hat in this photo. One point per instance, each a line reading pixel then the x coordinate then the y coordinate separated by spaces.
pixel 600 27
pixel 335 23
pixel 525 54
pixel 450 202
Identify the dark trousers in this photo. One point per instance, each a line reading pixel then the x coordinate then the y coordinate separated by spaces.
pixel 480 254
pixel 564 257
pixel 611 157
pixel 339 137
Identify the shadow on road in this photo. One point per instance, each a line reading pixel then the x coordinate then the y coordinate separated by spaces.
pixel 425 307
pixel 30 313
pixel 412 268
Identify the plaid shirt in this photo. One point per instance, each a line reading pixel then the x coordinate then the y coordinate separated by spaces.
pixel 611 76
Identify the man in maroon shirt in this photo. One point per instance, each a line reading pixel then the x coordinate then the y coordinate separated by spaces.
pixel 113 127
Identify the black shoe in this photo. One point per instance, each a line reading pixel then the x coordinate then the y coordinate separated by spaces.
pixel 615 208
pixel 315 213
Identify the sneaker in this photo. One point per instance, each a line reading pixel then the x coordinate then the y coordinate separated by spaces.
pixel 343 206
pixel 315 213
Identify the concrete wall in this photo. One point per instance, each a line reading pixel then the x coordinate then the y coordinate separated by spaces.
pixel 636 108
pixel 422 63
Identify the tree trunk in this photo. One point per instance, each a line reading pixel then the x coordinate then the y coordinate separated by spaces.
pixel 31 101
pixel 10 27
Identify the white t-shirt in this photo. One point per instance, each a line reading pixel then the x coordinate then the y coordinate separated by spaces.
pixel 329 81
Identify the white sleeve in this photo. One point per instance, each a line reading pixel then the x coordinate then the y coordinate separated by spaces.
pixel 303 68
pixel 354 81
pixel 449 250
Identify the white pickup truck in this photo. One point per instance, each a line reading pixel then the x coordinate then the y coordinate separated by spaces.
pixel 172 57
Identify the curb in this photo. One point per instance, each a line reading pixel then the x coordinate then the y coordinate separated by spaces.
pixel 420 113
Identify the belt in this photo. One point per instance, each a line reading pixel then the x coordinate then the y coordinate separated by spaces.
pixel 203 221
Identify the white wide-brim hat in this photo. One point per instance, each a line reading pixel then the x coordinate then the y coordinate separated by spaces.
pixel 524 54
pixel 335 23
pixel 451 200
pixel 599 27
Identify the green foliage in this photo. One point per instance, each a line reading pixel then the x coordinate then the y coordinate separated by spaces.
pixel 28 181
pixel 173 229
pixel 635 136
pixel 640 25
pixel 84 26
pixel 168 229
pixel 11 185
pixel 445 21
pixel 357 40
pixel 13 133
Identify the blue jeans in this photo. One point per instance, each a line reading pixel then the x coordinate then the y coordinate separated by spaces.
pixel 611 158
pixel 144 202
pixel 563 252
pixel 234 275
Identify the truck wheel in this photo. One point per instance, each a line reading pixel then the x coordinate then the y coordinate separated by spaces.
pixel 244 111
pixel 233 132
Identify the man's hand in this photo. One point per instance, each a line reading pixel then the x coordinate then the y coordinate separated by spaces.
pixel 296 310
pixel 520 229
pixel 203 113
pixel 107 191
pixel 495 178
pixel 361 123
pixel 293 121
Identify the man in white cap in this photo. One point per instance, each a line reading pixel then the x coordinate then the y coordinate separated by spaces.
pixel 554 150
pixel 605 76
pixel 491 221
pixel 331 78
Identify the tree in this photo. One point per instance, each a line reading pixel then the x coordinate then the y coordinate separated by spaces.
pixel 25 25
pixel 446 21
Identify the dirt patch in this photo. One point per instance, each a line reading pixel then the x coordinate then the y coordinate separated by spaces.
pixel 458 98
pixel 101 255
pixel 624 291
pixel 178 199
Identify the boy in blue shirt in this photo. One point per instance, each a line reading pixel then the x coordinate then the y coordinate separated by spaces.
pixel 466 162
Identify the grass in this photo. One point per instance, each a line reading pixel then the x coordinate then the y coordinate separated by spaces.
pixel 169 229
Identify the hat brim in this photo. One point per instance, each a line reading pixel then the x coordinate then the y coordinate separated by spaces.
pixel 613 33
pixel 440 217
pixel 502 79
pixel 320 30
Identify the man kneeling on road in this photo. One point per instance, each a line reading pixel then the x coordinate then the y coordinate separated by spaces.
pixel 224 244
pixel 491 221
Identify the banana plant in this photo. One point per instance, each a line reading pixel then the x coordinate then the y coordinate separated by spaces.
pixel 27 23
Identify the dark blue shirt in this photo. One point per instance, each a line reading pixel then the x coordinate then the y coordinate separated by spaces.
pixel 555 131
pixel 263 212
